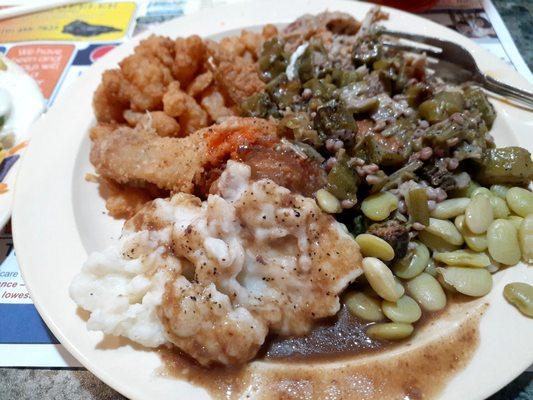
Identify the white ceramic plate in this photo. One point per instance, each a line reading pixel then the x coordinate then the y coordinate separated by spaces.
pixel 27 103
pixel 59 217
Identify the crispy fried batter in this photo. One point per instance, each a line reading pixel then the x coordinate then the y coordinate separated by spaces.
pixel 130 155
pixel 111 97
pixel 165 90
pixel 213 103
pixel 189 58
pixel 200 83
pixel 177 103
pixel 163 124
pixel 123 201
pixel 236 76
pixel 138 154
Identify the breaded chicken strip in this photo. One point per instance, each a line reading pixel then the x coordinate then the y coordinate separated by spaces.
pixel 137 155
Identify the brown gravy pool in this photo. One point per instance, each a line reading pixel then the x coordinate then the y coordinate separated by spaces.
pixel 340 362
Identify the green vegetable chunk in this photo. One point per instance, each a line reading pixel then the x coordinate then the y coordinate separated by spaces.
pixel 417 205
pixel 333 117
pixel 393 146
pixel 510 165
pixel 477 100
pixel 258 105
pixel 273 60
pixel 442 106
pixel 342 182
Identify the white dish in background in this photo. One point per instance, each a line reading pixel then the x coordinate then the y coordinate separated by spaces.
pixel 59 217
pixel 27 103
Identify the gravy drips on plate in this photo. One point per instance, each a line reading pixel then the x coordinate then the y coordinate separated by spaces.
pixel 367 369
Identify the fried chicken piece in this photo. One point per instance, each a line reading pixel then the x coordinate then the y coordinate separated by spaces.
pixel 111 97
pixel 131 155
pixel 142 79
pixel 189 58
pixel 213 102
pixel 123 201
pixel 200 83
pixel 236 76
pixel 147 79
pixel 179 104
pixel 159 47
pixel 163 124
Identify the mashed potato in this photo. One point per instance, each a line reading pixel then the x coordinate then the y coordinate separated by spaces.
pixel 214 277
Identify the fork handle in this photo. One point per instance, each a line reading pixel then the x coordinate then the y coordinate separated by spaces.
pixel 523 96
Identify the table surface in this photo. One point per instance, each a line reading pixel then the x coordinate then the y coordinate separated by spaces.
pixel 74 384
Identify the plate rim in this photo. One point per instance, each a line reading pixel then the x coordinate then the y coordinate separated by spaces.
pixel 19 241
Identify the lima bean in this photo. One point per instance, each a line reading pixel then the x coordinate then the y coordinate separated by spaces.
pixel 381 279
pixel 404 310
pixel 521 296
pixel 450 208
pixel 463 258
pixel 390 331
pixel 435 243
pixel 328 202
pixel 499 207
pixel 503 242
pixel 446 230
pixel 479 214
pixel 481 190
pixel 399 287
pixel 374 246
pixel 474 282
pixel 431 268
pixel 500 190
pixel 525 238
pixel 473 241
pixel 378 207
pixel 472 186
pixel 427 291
pixel 516 221
pixel 413 264
pixel 520 201
pixel 363 306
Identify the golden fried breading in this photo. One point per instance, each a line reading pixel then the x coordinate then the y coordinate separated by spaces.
pixel 163 124
pixel 142 79
pixel 189 58
pixel 148 79
pixel 177 103
pixel 200 83
pixel 213 103
pixel 236 76
pixel 133 155
pixel 159 47
pixel 111 97
pixel 122 201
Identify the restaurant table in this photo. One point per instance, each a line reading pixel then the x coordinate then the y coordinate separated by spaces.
pixel 78 383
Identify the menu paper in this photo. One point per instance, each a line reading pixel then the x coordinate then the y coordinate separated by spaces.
pixel 56 46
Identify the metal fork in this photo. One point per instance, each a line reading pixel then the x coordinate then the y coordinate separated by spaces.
pixel 455 63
